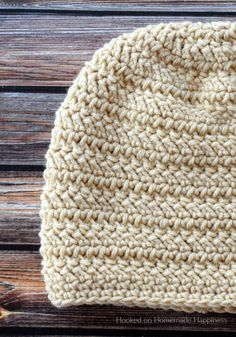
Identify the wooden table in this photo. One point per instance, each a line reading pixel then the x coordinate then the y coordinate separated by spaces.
pixel 43 45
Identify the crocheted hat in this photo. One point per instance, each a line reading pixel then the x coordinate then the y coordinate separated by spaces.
pixel 139 202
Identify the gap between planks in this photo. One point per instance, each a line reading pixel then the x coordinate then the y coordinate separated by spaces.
pixel 119 6
pixel 24 303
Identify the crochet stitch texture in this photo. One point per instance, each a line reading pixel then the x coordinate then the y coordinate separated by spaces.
pixel 139 202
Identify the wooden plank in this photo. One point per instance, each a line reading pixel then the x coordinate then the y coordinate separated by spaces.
pixel 49 50
pixel 24 303
pixel 26 120
pixel 19 204
pixel 122 6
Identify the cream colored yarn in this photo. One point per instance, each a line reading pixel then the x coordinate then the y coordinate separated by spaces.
pixel 139 202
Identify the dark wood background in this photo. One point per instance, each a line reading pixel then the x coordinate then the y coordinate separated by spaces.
pixel 43 45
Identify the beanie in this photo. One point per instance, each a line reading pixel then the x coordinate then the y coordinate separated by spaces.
pixel 139 202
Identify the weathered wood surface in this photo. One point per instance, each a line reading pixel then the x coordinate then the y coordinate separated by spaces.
pixel 19 205
pixel 26 120
pixel 49 49
pixel 24 303
pixel 122 6
pixel 43 45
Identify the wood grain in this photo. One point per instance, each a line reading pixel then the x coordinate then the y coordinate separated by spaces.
pixel 49 50
pixel 26 120
pixel 122 6
pixel 19 204
pixel 24 303
pixel 43 46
